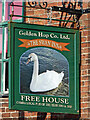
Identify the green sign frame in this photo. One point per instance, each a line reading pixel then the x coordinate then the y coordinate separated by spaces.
pixel 58 51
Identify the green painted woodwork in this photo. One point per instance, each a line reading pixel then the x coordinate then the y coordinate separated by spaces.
pixel 40 102
pixel 4 24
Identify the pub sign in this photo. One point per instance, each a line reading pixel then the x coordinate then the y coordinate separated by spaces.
pixel 44 68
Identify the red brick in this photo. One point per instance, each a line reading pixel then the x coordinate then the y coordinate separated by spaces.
pixel 85 33
pixel 8 110
pixel 26 113
pixel 85 110
pixel 55 15
pixel 85 5
pixel 89 4
pixel 5 114
pixel 84 72
pixel 82 83
pixel 84 78
pixel 88 39
pixel 84 44
pixel 4 99
pixel 48 116
pixel 38 12
pixel 28 13
pixel 85 67
pixel 84 62
pixel 60 4
pixel 83 56
pixel 2 109
pixel 51 4
pixel 84 105
pixel 4 104
pixel 84 115
pixel 85 99
pixel 83 39
pixel 84 89
pixel 14 114
pixel 84 94
pixel 84 17
pixel 85 83
pixel 84 50
pixel 33 113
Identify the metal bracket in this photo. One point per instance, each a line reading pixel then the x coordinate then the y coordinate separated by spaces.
pixel 86 11
pixel 34 4
pixel 68 7
pixel 67 10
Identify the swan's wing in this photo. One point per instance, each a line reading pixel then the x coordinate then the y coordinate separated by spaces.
pixel 47 81
pixel 61 75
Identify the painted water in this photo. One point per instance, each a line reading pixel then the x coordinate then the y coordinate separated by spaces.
pixel 49 59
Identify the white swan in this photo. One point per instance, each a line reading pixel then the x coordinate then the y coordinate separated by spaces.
pixel 45 81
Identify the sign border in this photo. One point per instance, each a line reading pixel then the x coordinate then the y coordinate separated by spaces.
pixel 76 63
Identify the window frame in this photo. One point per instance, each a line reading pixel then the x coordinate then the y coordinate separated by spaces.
pixel 4 59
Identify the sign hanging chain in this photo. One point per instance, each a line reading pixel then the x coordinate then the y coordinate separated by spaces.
pixel 49 15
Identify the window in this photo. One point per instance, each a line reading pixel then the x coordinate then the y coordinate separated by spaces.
pixel 5 10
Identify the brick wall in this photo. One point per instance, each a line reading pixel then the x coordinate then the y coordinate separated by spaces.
pixel 85 64
pixel 6 114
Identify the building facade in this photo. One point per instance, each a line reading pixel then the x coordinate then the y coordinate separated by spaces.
pixel 5 113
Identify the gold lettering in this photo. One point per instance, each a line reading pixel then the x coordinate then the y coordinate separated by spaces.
pixel 27 98
pixel 57 101
pixel 51 100
pixel 62 100
pixel 44 99
pixel 66 101
pixel 38 99
pixel 32 98
pixel 22 97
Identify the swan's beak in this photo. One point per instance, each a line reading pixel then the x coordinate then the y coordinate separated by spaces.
pixel 28 61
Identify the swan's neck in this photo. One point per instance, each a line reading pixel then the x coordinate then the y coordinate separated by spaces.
pixel 35 71
pixel 35 75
